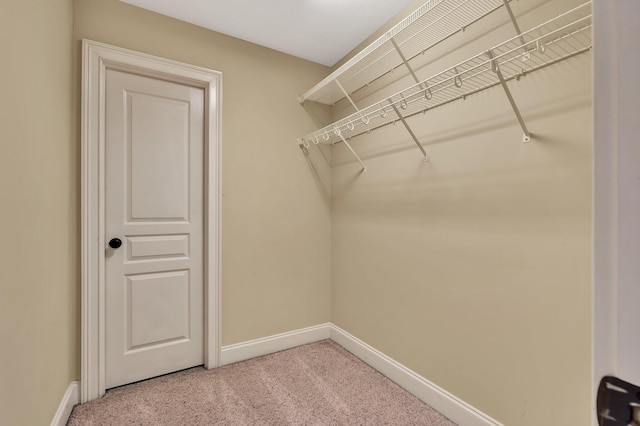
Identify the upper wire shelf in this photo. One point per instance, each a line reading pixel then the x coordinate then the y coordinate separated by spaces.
pixel 560 38
pixel 430 24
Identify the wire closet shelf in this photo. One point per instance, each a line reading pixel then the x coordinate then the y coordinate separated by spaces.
pixel 429 25
pixel 560 38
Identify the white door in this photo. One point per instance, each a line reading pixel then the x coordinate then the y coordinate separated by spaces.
pixel 154 187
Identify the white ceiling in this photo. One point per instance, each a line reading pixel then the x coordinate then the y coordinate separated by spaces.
pixel 322 31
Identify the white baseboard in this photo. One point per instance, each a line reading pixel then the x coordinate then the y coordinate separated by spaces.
pixel 268 345
pixel 450 406
pixel 71 397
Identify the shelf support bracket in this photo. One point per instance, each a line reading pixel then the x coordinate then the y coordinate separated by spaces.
pixel 346 95
pixel 364 168
pixel 413 135
pixel 526 136
pixel 526 55
pixel 404 59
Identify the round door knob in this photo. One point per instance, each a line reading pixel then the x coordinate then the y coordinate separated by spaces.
pixel 115 243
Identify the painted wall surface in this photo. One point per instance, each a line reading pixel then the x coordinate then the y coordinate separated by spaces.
pixel 275 221
pixel 39 187
pixel 616 191
pixel 474 268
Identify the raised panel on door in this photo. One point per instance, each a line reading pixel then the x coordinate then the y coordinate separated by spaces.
pixel 157 309
pixel 157 247
pixel 154 204
pixel 158 158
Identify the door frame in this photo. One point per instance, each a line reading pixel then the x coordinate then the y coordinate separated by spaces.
pixel 96 59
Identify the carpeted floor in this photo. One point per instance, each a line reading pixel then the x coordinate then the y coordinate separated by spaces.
pixel 316 384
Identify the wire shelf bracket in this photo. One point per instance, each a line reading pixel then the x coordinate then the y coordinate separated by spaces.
pixel 404 60
pixel 514 21
pixel 346 95
pixel 364 168
pixel 495 67
pixel 413 135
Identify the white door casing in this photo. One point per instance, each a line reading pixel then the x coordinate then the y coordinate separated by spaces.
pixel 154 213
pixel 99 60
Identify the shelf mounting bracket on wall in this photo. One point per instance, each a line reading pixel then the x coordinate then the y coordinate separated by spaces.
pixel 413 135
pixel 495 67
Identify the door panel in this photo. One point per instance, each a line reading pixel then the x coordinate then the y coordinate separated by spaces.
pixel 157 247
pixel 154 204
pixel 158 309
pixel 158 137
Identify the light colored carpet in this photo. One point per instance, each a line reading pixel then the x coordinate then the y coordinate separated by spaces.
pixel 316 384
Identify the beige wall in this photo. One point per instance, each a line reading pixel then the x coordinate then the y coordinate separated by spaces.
pixel 39 188
pixel 474 269
pixel 275 222
pixel 276 217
